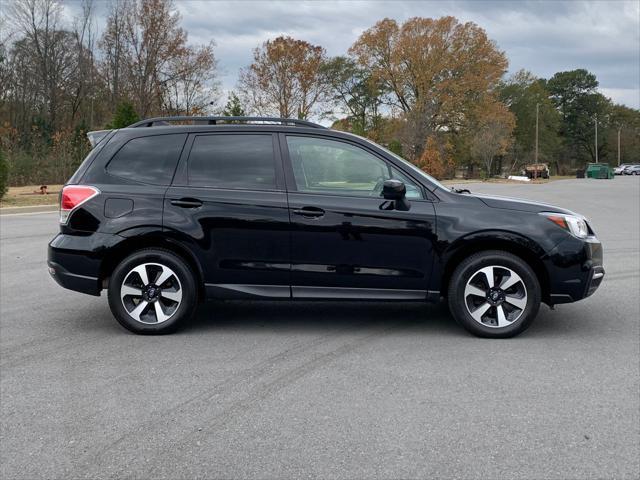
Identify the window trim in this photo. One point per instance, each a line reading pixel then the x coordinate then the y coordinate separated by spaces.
pixel 181 178
pixel 291 181
pixel 175 167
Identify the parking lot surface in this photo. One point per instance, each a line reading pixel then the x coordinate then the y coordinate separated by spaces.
pixel 330 390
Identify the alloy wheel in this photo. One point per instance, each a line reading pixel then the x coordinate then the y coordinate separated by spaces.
pixel 495 296
pixel 151 293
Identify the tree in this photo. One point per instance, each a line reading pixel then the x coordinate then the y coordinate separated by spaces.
pixel 436 71
pixel 435 160
pixel 114 47
pixel 627 121
pixel 44 48
pixel 233 108
pixel 491 136
pixel 191 85
pixel 356 93
pixel 522 92
pixel 148 61
pixel 574 94
pixel 124 116
pixel 285 78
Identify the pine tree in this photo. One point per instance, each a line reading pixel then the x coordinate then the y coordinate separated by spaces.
pixel 233 108
pixel 124 116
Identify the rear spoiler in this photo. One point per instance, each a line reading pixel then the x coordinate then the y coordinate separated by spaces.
pixel 97 136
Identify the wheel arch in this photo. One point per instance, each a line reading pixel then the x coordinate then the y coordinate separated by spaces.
pixel 514 243
pixel 150 240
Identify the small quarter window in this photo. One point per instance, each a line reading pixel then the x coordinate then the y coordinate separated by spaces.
pixel 149 159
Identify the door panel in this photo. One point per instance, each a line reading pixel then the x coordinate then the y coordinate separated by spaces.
pixel 239 235
pixel 345 236
pixel 356 244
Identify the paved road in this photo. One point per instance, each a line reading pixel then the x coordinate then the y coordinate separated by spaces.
pixel 264 390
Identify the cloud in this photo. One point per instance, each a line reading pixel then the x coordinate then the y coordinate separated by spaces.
pixel 541 36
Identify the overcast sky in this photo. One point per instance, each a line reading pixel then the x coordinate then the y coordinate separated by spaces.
pixel 541 36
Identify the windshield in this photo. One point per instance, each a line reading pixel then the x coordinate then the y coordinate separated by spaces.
pixel 420 173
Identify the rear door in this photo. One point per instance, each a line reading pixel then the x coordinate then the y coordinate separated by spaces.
pixel 347 241
pixel 228 204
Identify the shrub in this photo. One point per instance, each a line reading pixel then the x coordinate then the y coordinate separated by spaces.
pixel 4 174
pixel 124 116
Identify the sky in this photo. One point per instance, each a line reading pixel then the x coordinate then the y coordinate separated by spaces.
pixel 543 37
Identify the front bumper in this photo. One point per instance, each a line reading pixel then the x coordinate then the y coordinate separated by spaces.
pixel 575 268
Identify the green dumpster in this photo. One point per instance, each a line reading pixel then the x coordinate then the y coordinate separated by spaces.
pixel 599 170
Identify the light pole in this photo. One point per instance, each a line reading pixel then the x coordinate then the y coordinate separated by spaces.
pixel 619 129
pixel 596 120
pixel 537 114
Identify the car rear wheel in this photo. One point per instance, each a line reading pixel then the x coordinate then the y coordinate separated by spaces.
pixel 152 291
pixel 494 294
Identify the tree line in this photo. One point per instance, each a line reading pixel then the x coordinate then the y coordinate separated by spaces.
pixel 432 90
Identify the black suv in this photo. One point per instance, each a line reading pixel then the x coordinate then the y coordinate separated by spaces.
pixel 171 211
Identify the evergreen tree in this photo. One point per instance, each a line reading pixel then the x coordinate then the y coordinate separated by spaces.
pixel 124 116
pixel 233 108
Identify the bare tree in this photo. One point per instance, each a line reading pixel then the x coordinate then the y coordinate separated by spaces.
pixel 38 21
pixel 114 48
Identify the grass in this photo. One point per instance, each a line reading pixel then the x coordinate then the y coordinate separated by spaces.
pixel 25 196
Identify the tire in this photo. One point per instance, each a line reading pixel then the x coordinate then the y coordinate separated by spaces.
pixel 168 304
pixel 499 313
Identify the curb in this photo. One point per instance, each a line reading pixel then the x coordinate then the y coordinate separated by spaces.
pixel 28 209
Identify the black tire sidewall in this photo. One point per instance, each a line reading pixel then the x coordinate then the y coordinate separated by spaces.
pixel 470 266
pixel 185 275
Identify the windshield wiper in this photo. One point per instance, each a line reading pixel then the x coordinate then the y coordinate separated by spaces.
pixel 460 190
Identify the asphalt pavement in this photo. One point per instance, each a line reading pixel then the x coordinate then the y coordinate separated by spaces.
pixel 324 390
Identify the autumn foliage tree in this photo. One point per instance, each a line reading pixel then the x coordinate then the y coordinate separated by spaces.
pixel 285 78
pixel 435 70
pixel 436 160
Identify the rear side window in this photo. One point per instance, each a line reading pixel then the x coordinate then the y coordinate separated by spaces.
pixel 232 161
pixel 150 159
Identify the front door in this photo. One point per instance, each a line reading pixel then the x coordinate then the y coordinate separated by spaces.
pixel 229 205
pixel 346 242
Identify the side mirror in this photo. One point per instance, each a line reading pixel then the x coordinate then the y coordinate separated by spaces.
pixel 394 189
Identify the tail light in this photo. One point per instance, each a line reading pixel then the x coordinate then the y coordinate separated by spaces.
pixel 72 196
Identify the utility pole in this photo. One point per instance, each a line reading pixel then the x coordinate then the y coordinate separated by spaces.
pixel 596 119
pixel 537 115
pixel 619 128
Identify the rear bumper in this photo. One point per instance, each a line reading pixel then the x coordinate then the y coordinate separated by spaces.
pixel 575 270
pixel 74 281
pixel 75 261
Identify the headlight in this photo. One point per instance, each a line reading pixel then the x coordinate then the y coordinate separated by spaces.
pixel 576 226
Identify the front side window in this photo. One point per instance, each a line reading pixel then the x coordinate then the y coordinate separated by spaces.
pixel 232 161
pixel 149 159
pixel 329 166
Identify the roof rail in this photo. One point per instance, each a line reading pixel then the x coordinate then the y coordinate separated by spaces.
pixel 149 122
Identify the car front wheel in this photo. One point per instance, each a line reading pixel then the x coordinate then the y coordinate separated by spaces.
pixel 494 294
pixel 152 291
